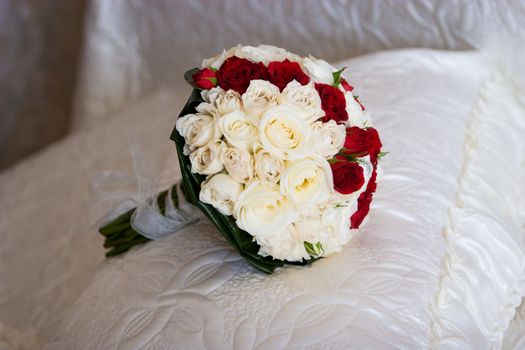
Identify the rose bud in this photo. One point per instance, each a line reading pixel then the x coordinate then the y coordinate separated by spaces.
pixel 205 79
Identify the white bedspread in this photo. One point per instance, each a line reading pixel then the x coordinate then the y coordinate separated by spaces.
pixel 393 287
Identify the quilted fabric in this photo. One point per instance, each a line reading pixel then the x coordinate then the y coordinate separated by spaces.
pixel 49 247
pixel 192 291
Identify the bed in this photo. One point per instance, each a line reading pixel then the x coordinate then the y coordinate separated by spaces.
pixel 440 263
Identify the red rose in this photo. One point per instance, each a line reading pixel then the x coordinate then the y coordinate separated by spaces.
pixel 236 73
pixel 333 103
pixel 205 79
pixel 348 176
pixel 363 202
pixel 281 73
pixel 345 85
pixel 362 142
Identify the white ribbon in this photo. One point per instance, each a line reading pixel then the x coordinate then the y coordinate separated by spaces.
pixel 116 193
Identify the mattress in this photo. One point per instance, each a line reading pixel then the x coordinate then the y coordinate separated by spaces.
pixel 439 264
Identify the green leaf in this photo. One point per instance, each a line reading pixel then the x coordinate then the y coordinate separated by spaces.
pixel 348 157
pixel 382 154
pixel 351 157
pixel 309 248
pixel 314 250
pixel 188 76
pixel 337 77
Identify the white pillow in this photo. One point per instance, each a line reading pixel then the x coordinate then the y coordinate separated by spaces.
pixel 397 280
pixel 400 283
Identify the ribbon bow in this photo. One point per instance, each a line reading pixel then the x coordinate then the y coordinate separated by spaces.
pixel 116 193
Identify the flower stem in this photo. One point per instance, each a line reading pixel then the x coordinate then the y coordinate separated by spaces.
pixel 120 236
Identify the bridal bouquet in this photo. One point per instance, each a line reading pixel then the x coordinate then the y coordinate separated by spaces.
pixel 276 150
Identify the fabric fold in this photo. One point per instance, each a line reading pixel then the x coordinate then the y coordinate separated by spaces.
pixel 483 271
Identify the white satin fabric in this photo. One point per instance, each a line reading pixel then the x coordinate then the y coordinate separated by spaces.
pixel 134 47
pixel 388 288
pixel 483 272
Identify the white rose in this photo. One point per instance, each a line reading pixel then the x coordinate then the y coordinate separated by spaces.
pixel 262 209
pixel 264 53
pixel 217 61
pixel 238 163
pixel 307 182
pixel 304 97
pixel 211 94
pixel 285 244
pixel 356 116
pixel 285 133
pixel 207 108
pixel 313 230
pixel 261 53
pixel 221 191
pixel 198 130
pixel 328 225
pixel 228 101
pixel 319 71
pixel 267 167
pixel 220 102
pixel 259 96
pixel 206 160
pixel 336 220
pixel 239 130
pixel 330 138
